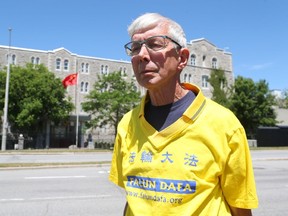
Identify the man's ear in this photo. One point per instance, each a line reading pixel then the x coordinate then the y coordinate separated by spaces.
pixel 183 58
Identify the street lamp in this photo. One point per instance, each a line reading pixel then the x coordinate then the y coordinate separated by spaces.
pixel 5 121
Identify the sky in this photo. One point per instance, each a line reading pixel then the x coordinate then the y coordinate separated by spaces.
pixel 254 31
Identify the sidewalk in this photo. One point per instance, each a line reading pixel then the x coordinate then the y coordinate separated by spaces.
pixel 66 157
pixel 55 157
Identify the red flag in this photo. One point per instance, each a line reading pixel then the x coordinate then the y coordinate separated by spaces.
pixel 70 80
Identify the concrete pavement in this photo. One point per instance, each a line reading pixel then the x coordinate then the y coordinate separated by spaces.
pixel 8 159
pixel 58 157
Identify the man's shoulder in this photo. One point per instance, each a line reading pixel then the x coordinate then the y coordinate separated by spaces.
pixel 133 113
pixel 219 112
pixel 214 105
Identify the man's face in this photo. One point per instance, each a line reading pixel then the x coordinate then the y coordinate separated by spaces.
pixel 155 69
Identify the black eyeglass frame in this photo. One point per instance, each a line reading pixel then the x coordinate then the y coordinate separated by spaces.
pixel 141 42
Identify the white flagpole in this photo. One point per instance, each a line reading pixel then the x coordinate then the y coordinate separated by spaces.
pixel 76 104
pixel 5 118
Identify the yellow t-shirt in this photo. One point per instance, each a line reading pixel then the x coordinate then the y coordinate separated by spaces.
pixel 196 166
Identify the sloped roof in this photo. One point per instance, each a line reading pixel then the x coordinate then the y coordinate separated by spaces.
pixel 62 49
pixel 199 40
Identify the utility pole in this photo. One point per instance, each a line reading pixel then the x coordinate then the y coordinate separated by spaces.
pixel 5 119
pixel 76 105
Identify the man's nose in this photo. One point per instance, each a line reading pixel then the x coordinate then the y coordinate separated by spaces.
pixel 144 50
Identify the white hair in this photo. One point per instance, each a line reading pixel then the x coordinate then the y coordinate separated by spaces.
pixel 148 20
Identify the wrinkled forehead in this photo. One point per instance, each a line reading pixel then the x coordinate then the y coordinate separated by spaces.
pixel 143 27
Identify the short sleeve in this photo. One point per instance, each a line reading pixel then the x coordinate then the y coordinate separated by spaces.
pixel 237 180
pixel 116 164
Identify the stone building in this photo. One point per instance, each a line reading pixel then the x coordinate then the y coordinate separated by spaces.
pixel 204 56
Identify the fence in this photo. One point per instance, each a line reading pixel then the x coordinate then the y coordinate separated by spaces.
pixel 272 136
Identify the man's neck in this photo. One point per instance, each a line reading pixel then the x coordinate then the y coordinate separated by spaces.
pixel 160 98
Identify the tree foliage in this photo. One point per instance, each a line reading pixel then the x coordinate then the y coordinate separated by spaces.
pixel 111 97
pixel 35 96
pixel 219 83
pixel 253 104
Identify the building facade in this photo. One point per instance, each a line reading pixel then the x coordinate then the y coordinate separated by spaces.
pixel 204 56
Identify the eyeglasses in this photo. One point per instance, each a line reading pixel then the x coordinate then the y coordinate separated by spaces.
pixel 154 43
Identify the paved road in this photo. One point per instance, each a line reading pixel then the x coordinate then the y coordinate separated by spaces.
pixel 51 157
pixel 269 155
pixel 86 191
pixel 67 157
pixel 74 191
pixel 271 174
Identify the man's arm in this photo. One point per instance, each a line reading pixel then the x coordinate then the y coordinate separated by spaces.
pixel 240 211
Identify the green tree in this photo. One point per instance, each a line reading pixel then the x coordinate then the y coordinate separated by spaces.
pixel 219 83
pixel 35 97
pixel 111 97
pixel 253 104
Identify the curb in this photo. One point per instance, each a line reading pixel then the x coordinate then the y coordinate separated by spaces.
pixel 56 165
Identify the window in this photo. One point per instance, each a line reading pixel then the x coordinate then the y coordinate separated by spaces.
pixel 193 60
pixel 205 81
pixel 66 64
pixel 82 67
pixel 13 59
pixel 106 69
pixel 190 78
pixel 214 63
pixel 87 68
pixel 222 84
pixel 105 88
pixel 123 71
pixel 84 87
pixel 37 60
pixel 185 77
pixel 58 64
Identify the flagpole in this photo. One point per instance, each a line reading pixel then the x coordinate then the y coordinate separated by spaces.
pixel 76 104
pixel 5 121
